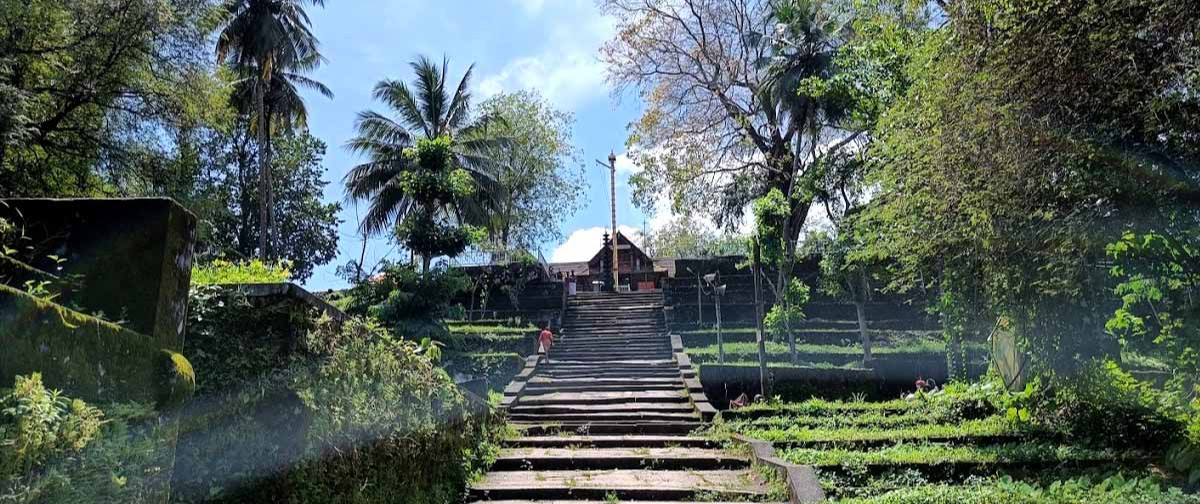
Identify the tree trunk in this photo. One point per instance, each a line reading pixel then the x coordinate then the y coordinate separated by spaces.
pixel 268 155
pixel 860 307
pixel 756 268
pixel 425 260
pixel 787 326
pixel 264 168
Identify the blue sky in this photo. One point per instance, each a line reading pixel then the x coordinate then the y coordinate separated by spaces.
pixel 550 46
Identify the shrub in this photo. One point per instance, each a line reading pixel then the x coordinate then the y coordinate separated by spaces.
pixel 412 304
pixel 220 271
pixel 59 450
pixel 37 423
pixel 1106 407
pixel 351 414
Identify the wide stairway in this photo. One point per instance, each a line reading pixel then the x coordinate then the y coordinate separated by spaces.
pixel 608 418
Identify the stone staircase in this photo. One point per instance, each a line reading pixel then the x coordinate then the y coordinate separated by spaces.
pixel 608 418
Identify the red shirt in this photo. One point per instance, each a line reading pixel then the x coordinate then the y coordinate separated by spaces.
pixel 546 337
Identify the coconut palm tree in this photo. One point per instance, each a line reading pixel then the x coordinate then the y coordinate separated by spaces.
pixel 269 43
pixel 426 109
pixel 283 111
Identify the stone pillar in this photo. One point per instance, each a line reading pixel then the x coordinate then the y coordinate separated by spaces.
pixel 129 258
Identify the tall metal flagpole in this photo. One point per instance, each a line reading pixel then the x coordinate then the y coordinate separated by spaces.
pixel 612 194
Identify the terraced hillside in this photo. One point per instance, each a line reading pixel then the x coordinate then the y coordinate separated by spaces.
pixel 935 450
pixel 608 417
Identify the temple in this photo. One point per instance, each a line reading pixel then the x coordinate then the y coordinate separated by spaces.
pixel 637 271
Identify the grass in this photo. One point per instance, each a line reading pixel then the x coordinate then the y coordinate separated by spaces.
pixel 1006 491
pixel 937 454
pixel 869 419
pixel 968 429
pixel 946 449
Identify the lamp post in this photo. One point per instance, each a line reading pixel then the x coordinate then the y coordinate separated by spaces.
pixel 612 195
pixel 718 291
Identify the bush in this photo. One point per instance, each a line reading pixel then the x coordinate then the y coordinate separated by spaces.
pixel 351 414
pixel 410 303
pixel 1006 491
pixel 1107 407
pixel 60 450
pixel 220 271
pixel 37 423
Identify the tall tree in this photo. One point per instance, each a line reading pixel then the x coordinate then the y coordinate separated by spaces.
pixel 1035 134
pixel 85 86
pixel 269 42
pixel 428 110
pixel 540 173
pixel 724 124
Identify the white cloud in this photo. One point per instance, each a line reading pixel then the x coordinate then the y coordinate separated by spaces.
pixel 567 71
pixel 582 244
pixel 626 165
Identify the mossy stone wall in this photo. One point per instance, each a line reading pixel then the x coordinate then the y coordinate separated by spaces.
pixel 134 257
pixel 89 358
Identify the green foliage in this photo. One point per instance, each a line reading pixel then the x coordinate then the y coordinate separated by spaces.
pixel 541 173
pixel 220 271
pixel 771 213
pixel 267 332
pixel 933 454
pixel 216 178
pixel 435 147
pixel 1006 490
pixel 1109 408
pixel 1158 274
pixel 790 312
pixel 37 424
pixel 411 304
pixel 385 413
pixel 684 236
pixel 1034 134
pixel 342 412
pixel 126 461
pixel 87 87
pixel 434 185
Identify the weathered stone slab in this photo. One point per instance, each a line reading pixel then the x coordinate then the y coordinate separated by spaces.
pixel 803 485
pixel 86 357
pixel 134 256
pixel 724 481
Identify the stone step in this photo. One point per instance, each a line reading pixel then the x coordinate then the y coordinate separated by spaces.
pixel 558 459
pixel 614 441
pixel 584 387
pixel 654 382
pixel 612 369
pixel 622 484
pixel 590 428
pixel 553 369
pixel 629 353
pixel 573 501
pixel 605 374
pixel 562 362
pixel 609 355
pixel 602 397
pixel 583 344
pixel 599 373
pixel 603 408
pixel 587 342
pixel 651 339
pixel 633 416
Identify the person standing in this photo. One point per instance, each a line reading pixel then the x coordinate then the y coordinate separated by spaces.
pixel 545 341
